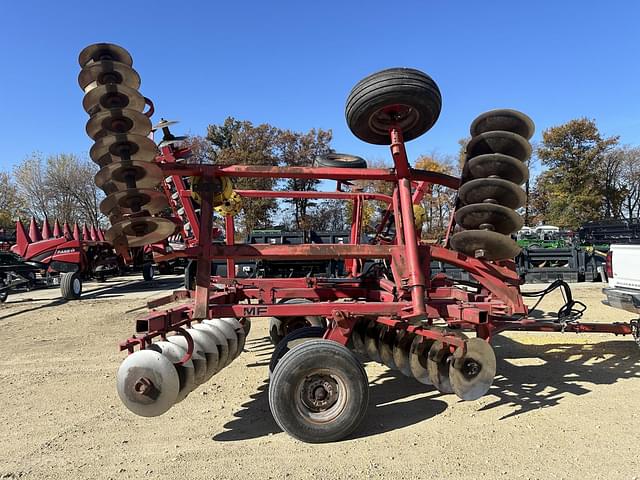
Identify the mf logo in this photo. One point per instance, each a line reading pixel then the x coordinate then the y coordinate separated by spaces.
pixel 255 311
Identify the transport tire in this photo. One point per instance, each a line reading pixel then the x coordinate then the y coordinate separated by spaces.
pixel 279 327
pixel 341 160
pixel 404 97
pixel 148 272
pixel 286 344
pixel 319 392
pixel 71 285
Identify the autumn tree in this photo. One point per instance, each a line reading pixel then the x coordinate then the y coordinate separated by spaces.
pixel 579 184
pixel 298 149
pixel 241 142
pixel 440 201
pixel 626 162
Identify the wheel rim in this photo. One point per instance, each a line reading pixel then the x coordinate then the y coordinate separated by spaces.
pixel 76 286
pixel 402 116
pixel 321 396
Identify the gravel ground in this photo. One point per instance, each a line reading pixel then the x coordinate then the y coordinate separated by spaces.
pixel 562 406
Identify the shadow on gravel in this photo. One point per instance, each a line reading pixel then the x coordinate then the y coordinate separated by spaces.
pixel 105 292
pixel 539 376
pixel 529 377
pixel 387 410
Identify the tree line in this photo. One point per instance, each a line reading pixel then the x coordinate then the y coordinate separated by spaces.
pixel 584 177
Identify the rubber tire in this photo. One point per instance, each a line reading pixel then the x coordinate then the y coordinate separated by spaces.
pixel 277 325
pixel 340 160
pixel 405 86
pixel 283 347
pixel 148 272
pixel 295 367
pixel 4 295
pixel 71 285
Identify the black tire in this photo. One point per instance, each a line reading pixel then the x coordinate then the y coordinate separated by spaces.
pixel 341 160
pixel 308 369
pixel 148 272
pixel 281 327
pixel 190 275
pixel 71 285
pixel 283 347
pixel 5 294
pixel 405 97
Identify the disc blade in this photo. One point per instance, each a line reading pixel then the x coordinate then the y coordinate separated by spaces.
pixel 472 374
pixel 496 165
pixel 133 200
pixel 238 329
pixel 503 119
pixel 401 352
pixel 107 72
pixel 147 383
pixel 104 51
pixel 141 231
pixel 171 141
pixel 164 123
pixel 220 340
pixel 145 174
pixel 114 148
pixel 418 356
pixel 480 215
pixel 385 347
pixel 507 143
pixel 492 190
pixel 372 334
pixel 112 96
pixel 485 244
pixel 357 338
pixel 118 122
pixel 197 357
pixel 186 372
pixel 229 333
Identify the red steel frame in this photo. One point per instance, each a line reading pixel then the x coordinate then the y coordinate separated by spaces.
pixel 412 301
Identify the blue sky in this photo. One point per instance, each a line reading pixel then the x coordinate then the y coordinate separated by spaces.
pixel 292 64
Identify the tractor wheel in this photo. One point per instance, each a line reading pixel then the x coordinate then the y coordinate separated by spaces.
pixel 291 340
pixel 71 285
pixel 402 97
pixel 341 160
pixel 281 327
pixel 319 392
pixel 148 272
pixel 5 294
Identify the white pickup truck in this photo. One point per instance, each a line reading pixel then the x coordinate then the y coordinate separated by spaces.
pixel 623 273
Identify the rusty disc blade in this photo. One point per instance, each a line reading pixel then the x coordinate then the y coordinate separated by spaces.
pixel 114 148
pixel 472 374
pixel 503 119
pixel 104 51
pixel 492 190
pixel 485 244
pixel 141 231
pixel 134 200
pixel 118 121
pixel 107 72
pixel 499 141
pixel 496 165
pixel 109 96
pixel 478 215
pixel 144 174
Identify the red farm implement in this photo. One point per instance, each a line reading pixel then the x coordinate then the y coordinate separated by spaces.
pixel 389 307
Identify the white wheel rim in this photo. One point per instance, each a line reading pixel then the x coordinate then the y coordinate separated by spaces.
pixel 76 286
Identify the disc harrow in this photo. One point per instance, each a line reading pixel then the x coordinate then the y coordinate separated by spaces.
pixel 389 307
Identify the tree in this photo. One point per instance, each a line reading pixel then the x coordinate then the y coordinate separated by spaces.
pixel 628 162
pixel 579 185
pixel 439 202
pixel 9 201
pixel 298 149
pixel 60 187
pixel 240 142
